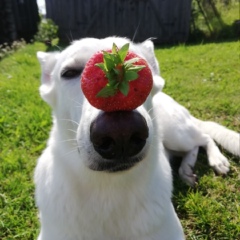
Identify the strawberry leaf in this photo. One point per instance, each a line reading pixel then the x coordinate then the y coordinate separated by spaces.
pixel 136 68
pixel 116 71
pixel 108 62
pixel 107 91
pixel 111 76
pixel 124 88
pixel 101 65
pixel 114 48
pixel 123 52
pixel 131 61
pixel 130 76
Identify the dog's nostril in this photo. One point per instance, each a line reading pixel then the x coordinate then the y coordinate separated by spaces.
pixel 136 144
pixel 137 141
pixel 118 135
pixel 107 143
pixel 105 147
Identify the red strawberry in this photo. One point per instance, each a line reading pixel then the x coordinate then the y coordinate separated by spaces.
pixel 116 80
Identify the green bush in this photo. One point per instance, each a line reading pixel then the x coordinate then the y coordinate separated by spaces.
pixel 47 32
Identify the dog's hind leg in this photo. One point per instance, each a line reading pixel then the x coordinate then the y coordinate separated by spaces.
pixel 186 169
pixel 216 159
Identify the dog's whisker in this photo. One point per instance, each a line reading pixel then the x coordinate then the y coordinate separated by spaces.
pixel 69 120
pixel 58 47
pixel 71 130
pixel 70 37
pixel 154 117
pixel 72 151
pixel 85 146
pixel 80 107
pixel 69 140
pixel 78 103
pixel 149 111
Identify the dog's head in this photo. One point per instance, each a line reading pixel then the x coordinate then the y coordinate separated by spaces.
pixel 106 141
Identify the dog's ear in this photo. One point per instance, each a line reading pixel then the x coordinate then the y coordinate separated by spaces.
pixel 158 81
pixel 47 62
pixel 148 50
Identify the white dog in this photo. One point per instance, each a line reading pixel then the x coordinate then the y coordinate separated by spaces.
pixel 183 134
pixel 81 194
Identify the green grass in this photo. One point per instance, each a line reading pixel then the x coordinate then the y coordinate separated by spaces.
pixel 23 118
pixel 204 78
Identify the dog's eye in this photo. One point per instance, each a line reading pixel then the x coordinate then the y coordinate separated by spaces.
pixel 71 73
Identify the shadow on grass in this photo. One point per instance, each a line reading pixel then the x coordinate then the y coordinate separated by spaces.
pixel 228 33
pixel 201 169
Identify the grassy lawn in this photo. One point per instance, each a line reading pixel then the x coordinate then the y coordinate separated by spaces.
pixel 204 78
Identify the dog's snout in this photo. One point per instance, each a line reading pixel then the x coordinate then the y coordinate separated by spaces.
pixel 119 135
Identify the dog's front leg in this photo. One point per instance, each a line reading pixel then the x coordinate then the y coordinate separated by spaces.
pixel 186 169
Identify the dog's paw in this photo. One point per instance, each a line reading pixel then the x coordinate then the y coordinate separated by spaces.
pixel 219 163
pixel 187 176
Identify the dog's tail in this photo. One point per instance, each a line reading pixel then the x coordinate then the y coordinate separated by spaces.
pixel 227 138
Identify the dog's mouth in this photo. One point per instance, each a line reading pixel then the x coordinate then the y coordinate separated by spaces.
pixel 115 165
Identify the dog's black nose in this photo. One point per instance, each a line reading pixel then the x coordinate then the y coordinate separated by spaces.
pixel 118 135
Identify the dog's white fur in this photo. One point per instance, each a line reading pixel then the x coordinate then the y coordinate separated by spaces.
pixel 77 203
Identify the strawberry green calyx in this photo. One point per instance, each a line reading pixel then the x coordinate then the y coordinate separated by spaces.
pixel 118 72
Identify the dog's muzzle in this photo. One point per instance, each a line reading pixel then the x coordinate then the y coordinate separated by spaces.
pixel 118 137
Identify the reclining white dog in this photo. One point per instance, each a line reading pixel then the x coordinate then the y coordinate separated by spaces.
pixel 81 195
pixel 183 134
